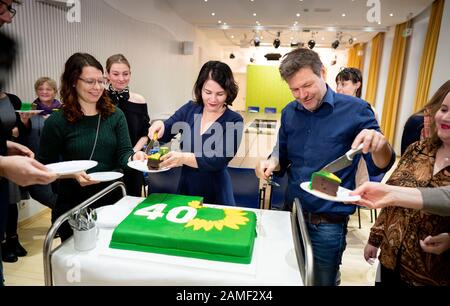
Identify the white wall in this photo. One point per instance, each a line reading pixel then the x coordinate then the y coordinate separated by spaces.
pixel 148 33
pixel 442 62
pixel 160 72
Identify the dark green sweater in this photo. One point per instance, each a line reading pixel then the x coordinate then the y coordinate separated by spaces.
pixel 74 141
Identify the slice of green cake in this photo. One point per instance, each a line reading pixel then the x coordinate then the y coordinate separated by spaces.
pixel 180 225
pixel 325 182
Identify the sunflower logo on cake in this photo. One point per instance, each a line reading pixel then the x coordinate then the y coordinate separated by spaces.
pixel 230 218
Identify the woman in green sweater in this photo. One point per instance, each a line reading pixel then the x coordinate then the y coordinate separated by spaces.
pixel 90 127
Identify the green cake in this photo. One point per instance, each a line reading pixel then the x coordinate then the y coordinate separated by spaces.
pixel 180 225
pixel 325 182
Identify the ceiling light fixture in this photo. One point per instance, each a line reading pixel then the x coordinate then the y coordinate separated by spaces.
pixel 256 41
pixel 311 44
pixel 335 44
pixel 277 42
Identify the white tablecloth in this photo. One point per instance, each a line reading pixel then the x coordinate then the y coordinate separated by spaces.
pixel 273 262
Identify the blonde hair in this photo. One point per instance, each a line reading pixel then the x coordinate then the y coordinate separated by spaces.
pixel 49 81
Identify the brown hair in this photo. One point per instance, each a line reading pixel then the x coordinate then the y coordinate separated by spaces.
pixel 220 73
pixel 69 96
pixel 433 106
pixel 49 81
pixel 297 59
pixel 114 59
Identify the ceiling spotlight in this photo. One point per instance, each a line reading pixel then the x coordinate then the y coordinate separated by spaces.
pixel 311 44
pixel 256 41
pixel 232 55
pixel 335 44
pixel 350 41
pixel 276 42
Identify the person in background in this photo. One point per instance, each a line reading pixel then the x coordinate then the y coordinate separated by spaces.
pixel 11 248
pixel 7 11
pixel 397 231
pixel 88 127
pixel 211 135
pixel 133 105
pixel 317 128
pixel 16 162
pixel 416 128
pixel 349 82
pixel 46 101
pixel 46 91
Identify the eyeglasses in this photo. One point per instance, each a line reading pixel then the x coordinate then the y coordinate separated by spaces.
pixel 92 82
pixel 8 7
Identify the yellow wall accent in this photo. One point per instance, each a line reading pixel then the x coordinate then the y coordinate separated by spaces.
pixel 394 83
pixel 429 54
pixel 266 88
pixel 374 68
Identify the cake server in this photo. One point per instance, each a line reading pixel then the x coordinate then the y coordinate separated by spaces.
pixel 343 161
pixel 270 181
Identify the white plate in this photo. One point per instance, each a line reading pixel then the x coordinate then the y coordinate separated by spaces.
pixel 70 167
pixel 105 176
pixel 31 111
pixel 342 194
pixel 142 166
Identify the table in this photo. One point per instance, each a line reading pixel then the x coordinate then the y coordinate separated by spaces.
pixel 273 263
pixel 255 145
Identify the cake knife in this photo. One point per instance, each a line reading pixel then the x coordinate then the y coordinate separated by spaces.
pixel 343 161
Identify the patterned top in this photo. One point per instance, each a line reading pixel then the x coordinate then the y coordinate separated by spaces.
pixel 397 231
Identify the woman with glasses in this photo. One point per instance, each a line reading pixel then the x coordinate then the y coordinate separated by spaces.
pixel 133 105
pixel 88 127
pixel 7 12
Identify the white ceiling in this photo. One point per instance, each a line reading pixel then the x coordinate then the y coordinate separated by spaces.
pixel 321 17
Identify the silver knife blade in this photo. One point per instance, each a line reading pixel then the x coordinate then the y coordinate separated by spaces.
pixel 343 161
pixel 338 164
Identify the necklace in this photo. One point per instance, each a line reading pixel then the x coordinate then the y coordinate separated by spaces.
pixel 96 136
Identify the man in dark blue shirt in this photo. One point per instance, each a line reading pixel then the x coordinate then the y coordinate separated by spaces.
pixel 317 128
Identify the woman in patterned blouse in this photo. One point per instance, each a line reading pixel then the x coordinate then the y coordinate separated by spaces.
pixel 398 231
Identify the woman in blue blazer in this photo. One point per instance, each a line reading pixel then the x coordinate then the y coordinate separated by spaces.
pixel 210 136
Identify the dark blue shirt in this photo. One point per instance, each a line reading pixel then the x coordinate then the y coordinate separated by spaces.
pixel 214 149
pixel 307 141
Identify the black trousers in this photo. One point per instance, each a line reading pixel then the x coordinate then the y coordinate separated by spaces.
pixel 133 180
pixel 390 278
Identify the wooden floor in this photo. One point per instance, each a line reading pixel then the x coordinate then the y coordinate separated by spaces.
pixel 29 270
